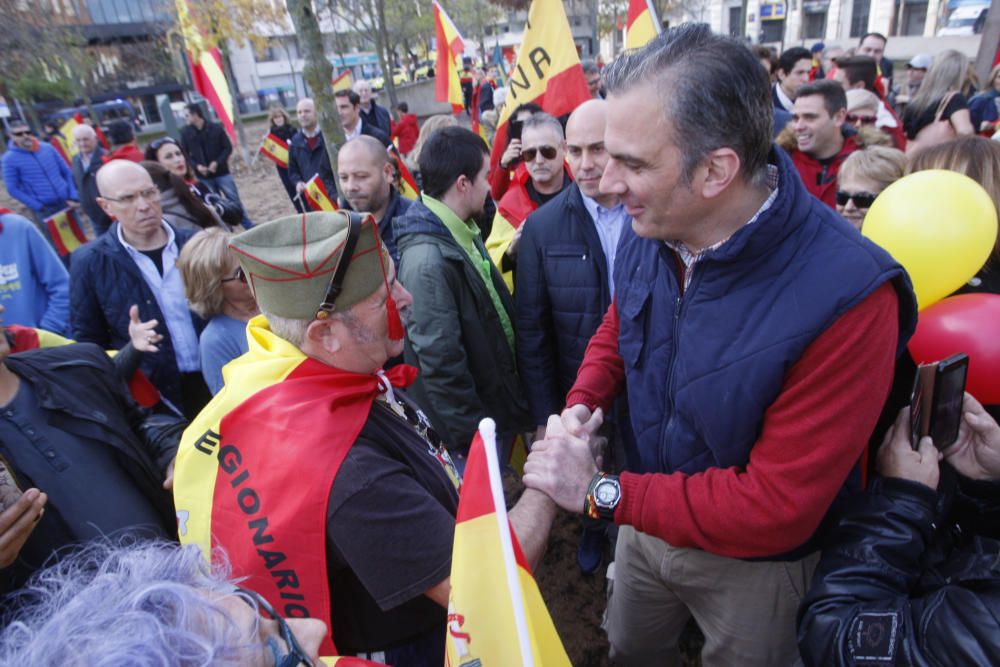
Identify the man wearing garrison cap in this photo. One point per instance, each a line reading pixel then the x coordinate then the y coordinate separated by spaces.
pixel 325 485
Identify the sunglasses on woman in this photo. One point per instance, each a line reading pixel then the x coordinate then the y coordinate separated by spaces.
pixel 163 141
pixel 548 152
pixel 861 199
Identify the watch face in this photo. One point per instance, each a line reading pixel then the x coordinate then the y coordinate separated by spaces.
pixel 607 492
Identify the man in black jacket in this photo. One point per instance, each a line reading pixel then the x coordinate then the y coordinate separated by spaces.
pixel 208 148
pixel 307 155
pixel 371 112
pixel 355 124
pixel 75 443
pixel 565 282
pixel 909 575
pixel 88 159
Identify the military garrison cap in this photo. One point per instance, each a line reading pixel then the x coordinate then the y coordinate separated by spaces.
pixel 290 263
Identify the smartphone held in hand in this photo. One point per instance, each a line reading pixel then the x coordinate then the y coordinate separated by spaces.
pixel 936 402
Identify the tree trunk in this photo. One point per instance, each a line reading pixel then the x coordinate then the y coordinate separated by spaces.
pixel 318 74
pixel 241 133
pixel 382 46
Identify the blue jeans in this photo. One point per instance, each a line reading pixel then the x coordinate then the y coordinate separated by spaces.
pixel 226 186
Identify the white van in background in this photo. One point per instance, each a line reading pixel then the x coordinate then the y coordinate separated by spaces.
pixel 965 20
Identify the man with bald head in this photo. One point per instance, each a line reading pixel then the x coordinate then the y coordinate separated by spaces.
pixel 307 151
pixel 366 176
pixel 88 159
pixel 134 263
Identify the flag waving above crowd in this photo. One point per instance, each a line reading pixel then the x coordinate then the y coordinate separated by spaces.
pixel 642 24
pixel 450 47
pixel 547 71
pixel 206 69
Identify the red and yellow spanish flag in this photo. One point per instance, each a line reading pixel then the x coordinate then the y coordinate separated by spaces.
pixel 206 67
pixel 407 184
pixel 547 71
pixel 344 81
pixel 239 484
pixel 496 615
pixel 65 231
pixel 450 47
pixel 275 149
pixel 64 144
pixel 642 25
pixel 317 196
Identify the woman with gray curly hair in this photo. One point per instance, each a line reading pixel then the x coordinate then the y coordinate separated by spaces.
pixel 150 604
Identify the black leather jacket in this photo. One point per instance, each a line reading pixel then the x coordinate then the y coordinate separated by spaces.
pixel 79 389
pixel 909 577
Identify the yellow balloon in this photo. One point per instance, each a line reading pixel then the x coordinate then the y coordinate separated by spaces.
pixel 940 225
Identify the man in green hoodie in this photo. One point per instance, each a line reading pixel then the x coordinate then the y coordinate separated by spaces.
pixel 460 332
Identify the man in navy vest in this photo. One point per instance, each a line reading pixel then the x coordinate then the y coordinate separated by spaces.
pixel 755 333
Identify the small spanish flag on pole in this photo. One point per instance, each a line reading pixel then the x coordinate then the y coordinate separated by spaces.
pixel 206 67
pixel 642 24
pixel 344 81
pixel 65 231
pixel 407 184
pixel 450 47
pixel 275 149
pixel 317 196
pixel 496 615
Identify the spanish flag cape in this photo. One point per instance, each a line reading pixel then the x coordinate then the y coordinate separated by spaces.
pixel 255 468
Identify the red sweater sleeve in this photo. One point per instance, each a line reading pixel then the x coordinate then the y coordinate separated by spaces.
pixel 602 373
pixel 812 435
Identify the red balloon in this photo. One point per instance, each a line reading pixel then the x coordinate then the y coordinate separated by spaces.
pixel 967 323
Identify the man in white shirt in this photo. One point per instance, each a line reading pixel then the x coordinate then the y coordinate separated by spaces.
pixel 134 264
pixel 349 109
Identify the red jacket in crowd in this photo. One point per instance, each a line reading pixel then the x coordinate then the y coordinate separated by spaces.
pixel 407 131
pixel 821 179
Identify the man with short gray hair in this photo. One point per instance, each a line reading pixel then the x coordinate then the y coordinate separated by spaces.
pixel 89 158
pixel 543 149
pixel 753 379
pixel 345 493
pixel 371 112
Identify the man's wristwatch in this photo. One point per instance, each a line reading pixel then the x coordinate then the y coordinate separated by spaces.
pixel 603 496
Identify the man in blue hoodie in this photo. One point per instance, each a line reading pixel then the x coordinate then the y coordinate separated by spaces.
pixel 36 175
pixel 34 285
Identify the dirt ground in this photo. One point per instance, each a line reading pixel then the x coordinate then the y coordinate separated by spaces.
pixel 575 601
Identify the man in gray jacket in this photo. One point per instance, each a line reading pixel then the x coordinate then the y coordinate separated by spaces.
pixel 460 332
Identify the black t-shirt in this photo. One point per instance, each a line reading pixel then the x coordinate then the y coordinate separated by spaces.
pixel 390 527
pixel 157 256
pixel 540 198
pixel 913 123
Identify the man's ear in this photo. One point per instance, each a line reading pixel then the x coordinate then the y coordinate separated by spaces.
pixel 326 334
pixel 716 172
pixel 105 206
pixel 840 117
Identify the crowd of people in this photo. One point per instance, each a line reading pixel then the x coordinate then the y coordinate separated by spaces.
pixel 677 321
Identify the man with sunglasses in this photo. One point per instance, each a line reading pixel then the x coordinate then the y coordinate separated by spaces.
pixel 134 262
pixel 36 175
pixel 343 494
pixel 543 151
pixel 823 141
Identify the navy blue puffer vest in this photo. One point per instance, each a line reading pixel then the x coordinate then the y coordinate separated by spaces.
pixel 703 367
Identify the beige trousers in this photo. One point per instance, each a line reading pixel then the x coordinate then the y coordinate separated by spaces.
pixel 746 609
